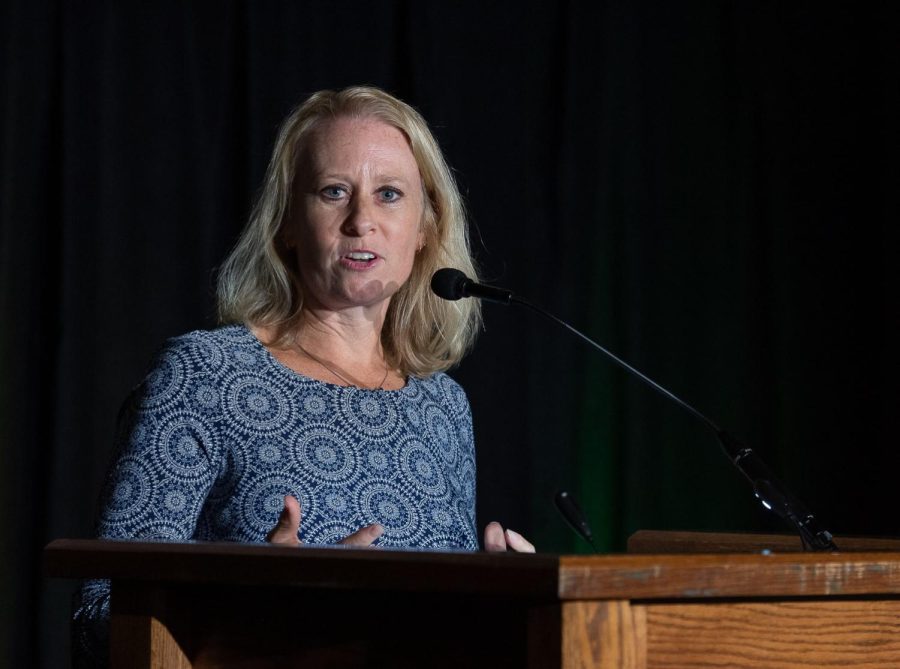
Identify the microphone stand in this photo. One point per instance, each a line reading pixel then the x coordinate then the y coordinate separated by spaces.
pixel 770 491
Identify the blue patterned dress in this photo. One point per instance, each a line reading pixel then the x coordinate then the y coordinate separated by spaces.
pixel 219 432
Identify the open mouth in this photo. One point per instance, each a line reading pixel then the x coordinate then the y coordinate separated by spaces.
pixel 360 256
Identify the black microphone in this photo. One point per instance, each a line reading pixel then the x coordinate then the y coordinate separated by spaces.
pixel 451 284
pixel 566 505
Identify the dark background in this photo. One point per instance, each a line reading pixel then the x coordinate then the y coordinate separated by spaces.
pixel 708 188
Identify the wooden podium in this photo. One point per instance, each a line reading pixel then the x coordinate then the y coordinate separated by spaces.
pixel 235 605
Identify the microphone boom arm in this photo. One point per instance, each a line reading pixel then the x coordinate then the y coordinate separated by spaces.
pixel 771 492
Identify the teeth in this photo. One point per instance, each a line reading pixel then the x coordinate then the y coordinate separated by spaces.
pixel 361 255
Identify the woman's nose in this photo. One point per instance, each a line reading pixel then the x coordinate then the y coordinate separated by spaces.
pixel 361 218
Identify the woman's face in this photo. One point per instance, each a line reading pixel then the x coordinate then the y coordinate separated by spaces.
pixel 359 214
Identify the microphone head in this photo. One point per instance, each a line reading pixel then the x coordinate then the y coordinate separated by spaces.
pixel 449 283
pixel 574 516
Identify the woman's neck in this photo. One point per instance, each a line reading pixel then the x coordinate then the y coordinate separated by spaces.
pixel 351 338
pixel 335 347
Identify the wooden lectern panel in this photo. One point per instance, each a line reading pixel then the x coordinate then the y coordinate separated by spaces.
pixel 773 635
pixel 232 606
pixel 227 627
pixel 605 635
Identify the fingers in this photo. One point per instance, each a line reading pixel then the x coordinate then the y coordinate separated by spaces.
pixel 494 541
pixel 288 525
pixel 518 543
pixel 364 536
pixel 497 540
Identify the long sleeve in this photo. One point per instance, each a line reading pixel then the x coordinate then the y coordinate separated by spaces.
pixel 166 456
pixel 163 469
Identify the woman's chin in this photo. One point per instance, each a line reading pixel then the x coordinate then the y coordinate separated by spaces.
pixel 371 294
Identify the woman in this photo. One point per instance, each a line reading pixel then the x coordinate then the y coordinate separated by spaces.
pixel 320 412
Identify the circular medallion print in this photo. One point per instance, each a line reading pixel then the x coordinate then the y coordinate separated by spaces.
pixel 444 541
pixel 369 413
pixel 466 512
pixel 180 441
pixel 467 478
pixel 163 530
pixel 315 404
pixel 442 432
pixel 378 460
pixel 204 397
pixel 384 503
pixel 231 471
pixel 245 357
pixel 324 456
pixel 413 416
pixel 130 492
pixel 269 453
pixel 175 501
pixel 421 468
pixel 412 391
pixel 336 503
pixel 263 499
pixel 164 382
pixel 256 406
pixel 442 518
pixel 452 390
pixel 208 353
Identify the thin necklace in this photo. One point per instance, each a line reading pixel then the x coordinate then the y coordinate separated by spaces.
pixel 343 378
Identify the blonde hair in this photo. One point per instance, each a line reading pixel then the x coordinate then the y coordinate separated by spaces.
pixel 258 286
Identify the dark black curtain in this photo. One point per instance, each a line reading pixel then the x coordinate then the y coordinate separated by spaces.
pixel 708 188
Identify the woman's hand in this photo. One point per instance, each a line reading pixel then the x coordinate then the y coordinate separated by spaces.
pixel 498 540
pixel 287 528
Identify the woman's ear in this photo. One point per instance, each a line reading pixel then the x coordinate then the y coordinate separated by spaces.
pixel 426 220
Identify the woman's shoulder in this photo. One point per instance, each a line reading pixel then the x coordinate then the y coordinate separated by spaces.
pixel 225 335
pixel 441 384
pixel 188 363
pixel 209 349
pixel 208 342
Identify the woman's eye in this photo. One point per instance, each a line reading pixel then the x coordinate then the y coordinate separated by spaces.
pixel 390 194
pixel 333 192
